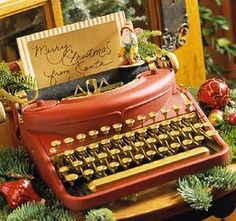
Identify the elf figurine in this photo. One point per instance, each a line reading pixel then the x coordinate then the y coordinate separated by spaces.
pixel 128 53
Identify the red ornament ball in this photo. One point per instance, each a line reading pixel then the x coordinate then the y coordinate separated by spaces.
pixel 214 93
pixel 232 119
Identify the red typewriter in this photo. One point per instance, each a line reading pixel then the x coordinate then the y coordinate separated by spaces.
pixel 135 131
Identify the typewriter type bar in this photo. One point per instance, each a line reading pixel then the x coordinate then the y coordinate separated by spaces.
pixel 143 134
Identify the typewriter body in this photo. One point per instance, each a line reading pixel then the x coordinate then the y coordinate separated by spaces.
pixel 118 142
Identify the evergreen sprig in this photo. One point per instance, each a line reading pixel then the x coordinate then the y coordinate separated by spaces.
pixel 15 163
pixel 195 189
pixel 13 82
pixel 37 211
pixel 4 212
pixel 194 192
pixel 102 214
pixel 220 178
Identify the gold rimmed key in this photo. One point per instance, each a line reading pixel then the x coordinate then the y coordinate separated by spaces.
pixel 165 112
pixel 188 105
pixel 153 116
pixel 68 140
pixel 93 146
pixel 93 133
pixel 130 122
pixel 63 170
pixel 105 130
pixel 55 143
pixel 138 158
pixel 117 127
pixel 176 109
pixel 101 170
pixel 81 137
pixel 113 166
pixel 141 119
pixel 88 173
pixel 211 133
pixel 71 178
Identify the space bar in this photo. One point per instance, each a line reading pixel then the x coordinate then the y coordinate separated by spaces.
pixel 104 182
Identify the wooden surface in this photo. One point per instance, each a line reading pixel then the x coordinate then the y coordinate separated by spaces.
pixel 5 136
pixel 52 9
pixel 161 202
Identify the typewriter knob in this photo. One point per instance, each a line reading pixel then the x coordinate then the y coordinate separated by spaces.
pixel 138 158
pixel 130 122
pixel 55 143
pixel 117 127
pixel 153 116
pixel 154 127
pixel 176 109
pixel 142 119
pixel 52 150
pixel 81 137
pixel 105 130
pixel 93 146
pixel 68 140
pixel 93 133
pixel 114 165
pixel 165 112
pixel 175 146
pixel 126 162
pixel 151 140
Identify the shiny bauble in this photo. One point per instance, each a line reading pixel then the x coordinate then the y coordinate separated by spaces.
pixel 232 119
pixel 216 117
pixel 214 94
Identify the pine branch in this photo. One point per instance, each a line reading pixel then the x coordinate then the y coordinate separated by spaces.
pixel 14 82
pixel 15 163
pixel 4 212
pixel 220 178
pixel 37 211
pixel 103 214
pixel 194 192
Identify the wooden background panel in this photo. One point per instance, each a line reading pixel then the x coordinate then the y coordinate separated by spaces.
pixel 192 69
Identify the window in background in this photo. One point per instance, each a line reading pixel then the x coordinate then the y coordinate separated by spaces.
pixel 15 26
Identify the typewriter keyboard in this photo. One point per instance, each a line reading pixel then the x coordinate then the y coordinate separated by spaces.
pixel 124 155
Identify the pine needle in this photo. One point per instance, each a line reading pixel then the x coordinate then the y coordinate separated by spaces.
pixel 15 163
pixel 194 192
pixel 14 82
pixel 37 211
pixel 220 178
pixel 103 214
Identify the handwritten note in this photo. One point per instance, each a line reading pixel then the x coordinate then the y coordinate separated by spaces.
pixel 75 53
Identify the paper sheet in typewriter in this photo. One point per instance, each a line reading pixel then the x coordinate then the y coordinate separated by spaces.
pixel 72 51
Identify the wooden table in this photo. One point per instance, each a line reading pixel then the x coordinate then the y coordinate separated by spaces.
pixel 164 203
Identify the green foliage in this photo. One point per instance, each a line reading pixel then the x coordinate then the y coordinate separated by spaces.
pixel 78 10
pixel 14 82
pixel 37 211
pixel 103 214
pixel 4 212
pixel 15 163
pixel 194 192
pixel 211 25
pixel 195 189
pixel 193 91
pixel 145 47
pixel 220 178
